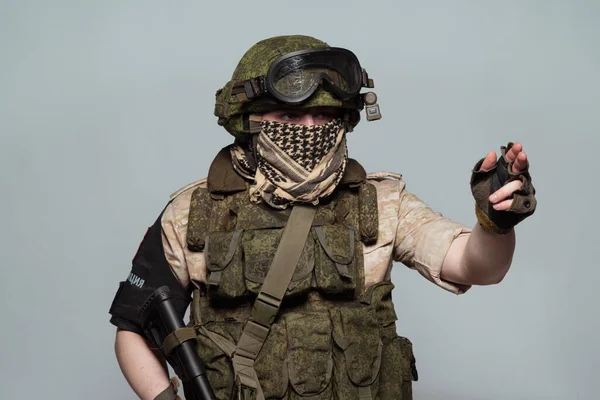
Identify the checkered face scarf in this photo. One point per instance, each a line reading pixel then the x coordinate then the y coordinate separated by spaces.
pixel 292 163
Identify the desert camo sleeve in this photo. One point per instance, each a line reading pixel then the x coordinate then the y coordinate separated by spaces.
pixel 423 238
pixel 185 264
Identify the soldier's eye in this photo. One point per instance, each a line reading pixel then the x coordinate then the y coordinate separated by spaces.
pixel 290 116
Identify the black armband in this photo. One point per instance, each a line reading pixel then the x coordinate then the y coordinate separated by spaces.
pixel 150 270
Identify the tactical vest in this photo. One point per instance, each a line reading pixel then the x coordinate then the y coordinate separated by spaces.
pixel 331 339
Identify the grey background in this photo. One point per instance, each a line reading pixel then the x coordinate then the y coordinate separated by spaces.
pixel 106 108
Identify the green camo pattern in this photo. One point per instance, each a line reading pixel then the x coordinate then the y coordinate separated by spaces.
pixel 256 62
pixel 327 353
pixel 242 239
pixel 199 219
pixel 332 339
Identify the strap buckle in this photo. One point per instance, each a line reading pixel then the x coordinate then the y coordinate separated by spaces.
pixel 265 309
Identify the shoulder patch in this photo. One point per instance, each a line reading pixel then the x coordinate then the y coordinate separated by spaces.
pixel 379 176
pixel 187 187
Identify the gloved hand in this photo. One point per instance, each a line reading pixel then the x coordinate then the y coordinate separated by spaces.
pixel 502 188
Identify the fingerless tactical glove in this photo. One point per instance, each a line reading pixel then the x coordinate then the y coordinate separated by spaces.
pixel 484 183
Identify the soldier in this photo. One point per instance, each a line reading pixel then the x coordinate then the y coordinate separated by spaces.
pixel 304 309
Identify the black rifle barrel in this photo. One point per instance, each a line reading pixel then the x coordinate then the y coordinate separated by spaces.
pixel 160 301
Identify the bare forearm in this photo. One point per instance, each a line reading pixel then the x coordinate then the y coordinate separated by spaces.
pixel 141 367
pixel 481 258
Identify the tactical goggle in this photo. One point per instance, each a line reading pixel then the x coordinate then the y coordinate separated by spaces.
pixel 294 77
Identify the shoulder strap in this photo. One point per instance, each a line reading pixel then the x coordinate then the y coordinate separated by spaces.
pixel 198 219
pixel 266 305
pixel 368 213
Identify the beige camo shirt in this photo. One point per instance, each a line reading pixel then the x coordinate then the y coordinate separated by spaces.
pixel 409 232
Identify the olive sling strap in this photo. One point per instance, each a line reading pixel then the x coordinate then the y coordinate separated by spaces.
pixel 269 299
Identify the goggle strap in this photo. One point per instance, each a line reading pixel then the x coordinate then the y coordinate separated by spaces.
pixel 249 89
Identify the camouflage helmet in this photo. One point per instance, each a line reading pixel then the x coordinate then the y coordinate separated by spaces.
pixel 241 116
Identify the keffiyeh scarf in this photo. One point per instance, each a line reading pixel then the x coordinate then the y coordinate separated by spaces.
pixel 292 163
